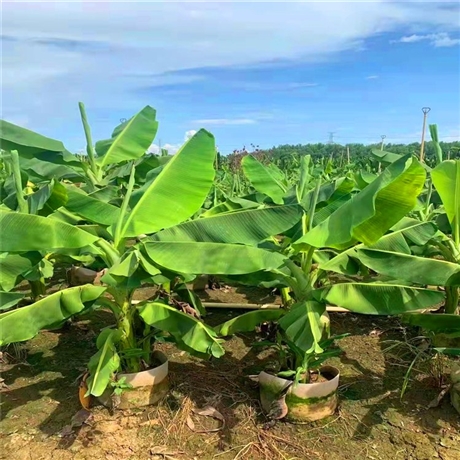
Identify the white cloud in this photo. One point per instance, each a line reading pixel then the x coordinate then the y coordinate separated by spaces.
pixel 225 121
pixel 437 40
pixel 171 148
pixel 57 53
pixel 189 134
pixel 372 77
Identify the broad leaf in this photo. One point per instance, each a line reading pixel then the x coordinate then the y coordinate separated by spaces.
pixel 303 325
pixel 178 191
pixel 379 299
pixel 246 227
pixel 414 269
pixel 24 323
pixel 104 363
pixel 212 258
pixel 367 216
pixel 230 205
pixel 437 323
pixel 12 266
pixel 413 230
pixel 90 208
pixel 247 322
pixel 446 179
pixel 130 140
pixel 9 299
pixel 267 180
pixel 385 157
pixel 13 137
pixel 189 330
pixel 25 232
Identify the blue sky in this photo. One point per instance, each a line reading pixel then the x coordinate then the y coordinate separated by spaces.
pixel 266 73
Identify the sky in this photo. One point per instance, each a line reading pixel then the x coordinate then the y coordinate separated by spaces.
pixel 265 73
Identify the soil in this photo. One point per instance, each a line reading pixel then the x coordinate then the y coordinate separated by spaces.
pixel 41 417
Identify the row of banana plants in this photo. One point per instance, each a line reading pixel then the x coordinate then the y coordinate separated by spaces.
pixel 149 220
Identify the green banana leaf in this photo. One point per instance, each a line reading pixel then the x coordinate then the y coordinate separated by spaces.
pixel 368 215
pixel 246 227
pixel 91 209
pixel 12 266
pixel 192 332
pixel 57 166
pixel 26 232
pixel 104 363
pixel 212 258
pixel 413 230
pixel 230 205
pixel 434 322
pixel 410 268
pixel 247 322
pixel 379 299
pixel 9 299
pixel 13 137
pixel 446 179
pixel 385 157
pixel 25 323
pixel 51 197
pixel 267 180
pixel 303 326
pixel 130 140
pixel 178 191
pixel 435 142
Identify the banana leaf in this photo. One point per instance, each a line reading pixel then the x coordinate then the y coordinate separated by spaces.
pixel 192 332
pixel 130 140
pixel 247 322
pixel 25 323
pixel 9 299
pixel 379 298
pixel 178 191
pixel 246 227
pixel 212 258
pixel 368 215
pixel 104 363
pixel 410 268
pixel 26 232
pixel 267 180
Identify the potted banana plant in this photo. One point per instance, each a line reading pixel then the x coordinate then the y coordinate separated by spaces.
pixel 126 365
pixel 322 243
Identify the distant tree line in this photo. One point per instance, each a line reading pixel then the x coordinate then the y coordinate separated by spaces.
pixel 359 153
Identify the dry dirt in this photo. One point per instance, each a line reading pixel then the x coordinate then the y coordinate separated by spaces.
pixel 39 400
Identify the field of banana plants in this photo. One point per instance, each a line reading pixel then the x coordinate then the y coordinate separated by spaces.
pixel 258 305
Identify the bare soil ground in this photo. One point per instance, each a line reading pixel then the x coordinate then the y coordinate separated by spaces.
pixel 39 399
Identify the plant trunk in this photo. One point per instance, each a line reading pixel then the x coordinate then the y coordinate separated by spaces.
pixel 38 289
pixel 128 341
pixel 451 305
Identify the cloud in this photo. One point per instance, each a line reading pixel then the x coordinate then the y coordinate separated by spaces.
pixel 189 134
pixel 225 121
pixel 372 77
pixel 271 86
pixel 58 53
pixel 438 40
pixel 171 148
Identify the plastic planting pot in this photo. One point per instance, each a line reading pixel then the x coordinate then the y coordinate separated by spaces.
pixel 304 401
pixel 148 387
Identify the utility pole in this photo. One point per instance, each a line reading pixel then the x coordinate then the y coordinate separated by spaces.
pixel 425 111
pixel 331 137
pixel 383 141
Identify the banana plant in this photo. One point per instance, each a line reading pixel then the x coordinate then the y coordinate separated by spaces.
pixel 335 220
pixel 423 270
pixel 22 154
pixel 160 208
